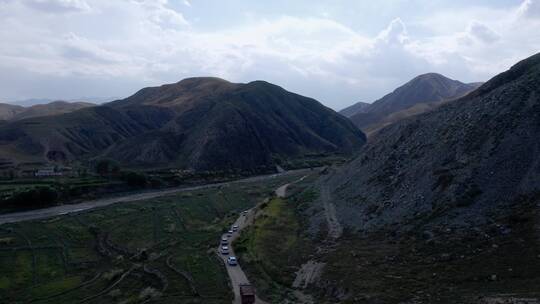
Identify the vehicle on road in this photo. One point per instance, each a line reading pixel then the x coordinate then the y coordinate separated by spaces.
pixel 230 233
pixel 224 241
pixel 235 228
pixel 224 250
pixel 232 261
pixel 247 294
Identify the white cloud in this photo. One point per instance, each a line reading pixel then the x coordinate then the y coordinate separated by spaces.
pixel 136 43
pixel 482 32
pixel 395 33
pixel 58 6
pixel 530 9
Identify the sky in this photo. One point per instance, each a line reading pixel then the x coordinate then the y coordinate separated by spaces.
pixel 338 52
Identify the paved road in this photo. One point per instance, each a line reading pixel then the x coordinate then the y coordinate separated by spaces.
pixel 236 274
pixel 74 208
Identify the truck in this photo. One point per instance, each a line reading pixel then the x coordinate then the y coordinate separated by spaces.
pixel 247 294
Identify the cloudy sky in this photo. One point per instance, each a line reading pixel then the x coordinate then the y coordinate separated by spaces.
pixel 337 51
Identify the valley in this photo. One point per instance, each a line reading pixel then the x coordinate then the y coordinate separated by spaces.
pixel 159 249
pixel 269 152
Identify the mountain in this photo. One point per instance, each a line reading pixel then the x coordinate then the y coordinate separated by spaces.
pixel 52 108
pixel 423 93
pixel 197 123
pixel 359 107
pixel 444 205
pixel 16 112
pixel 477 154
pixel 8 111
pixel 31 102
pixel 41 101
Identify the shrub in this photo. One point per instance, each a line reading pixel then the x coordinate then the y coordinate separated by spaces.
pixel 106 167
pixel 134 179
pixel 33 198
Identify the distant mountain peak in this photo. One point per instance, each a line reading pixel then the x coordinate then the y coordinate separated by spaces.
pixel 429 76
pixel 202 80
pixel 17 112
pixel 177 94
pixel 359 107
pixel 422 93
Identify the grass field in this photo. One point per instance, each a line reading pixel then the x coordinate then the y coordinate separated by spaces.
pixel 159 250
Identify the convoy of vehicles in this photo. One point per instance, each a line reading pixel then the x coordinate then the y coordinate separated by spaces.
pixel 247 292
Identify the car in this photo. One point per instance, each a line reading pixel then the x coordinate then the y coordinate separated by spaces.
pixel 232 261
pixel 245 212
pixel 224 241
pixel 235 228
pixel 230 233
pixel 224 250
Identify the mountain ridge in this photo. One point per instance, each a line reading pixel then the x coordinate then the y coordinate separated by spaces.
pixel 11 112
pixel 197 123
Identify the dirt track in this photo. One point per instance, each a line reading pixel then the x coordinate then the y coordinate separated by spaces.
pixel 334 227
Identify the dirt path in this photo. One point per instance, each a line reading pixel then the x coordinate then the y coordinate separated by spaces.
pixel 311 271
pixel 334 227
pixel 282 191
pixel 308 273
pixel 73 208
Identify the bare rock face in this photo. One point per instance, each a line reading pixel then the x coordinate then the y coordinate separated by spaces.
pixel 197 123
pixel 461 164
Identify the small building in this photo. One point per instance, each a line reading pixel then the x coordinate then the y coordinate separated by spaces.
pixel 47 172
pixel 247 294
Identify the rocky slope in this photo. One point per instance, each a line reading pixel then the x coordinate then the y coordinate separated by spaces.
pixel 442 207
pixel 423 93
pixel 198 123
pixel 460 163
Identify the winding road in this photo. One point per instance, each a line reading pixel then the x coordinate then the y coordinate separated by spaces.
pixel 236 274
pixel 74 208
